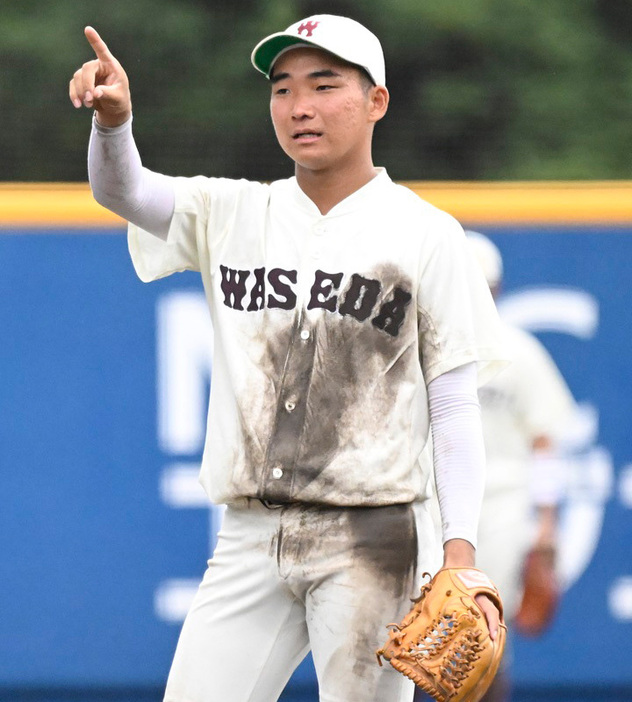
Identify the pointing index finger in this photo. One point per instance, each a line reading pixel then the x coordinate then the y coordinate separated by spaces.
pixel 99 46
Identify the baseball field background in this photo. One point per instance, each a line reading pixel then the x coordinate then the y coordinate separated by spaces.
pixel 104 530
pixel 514 116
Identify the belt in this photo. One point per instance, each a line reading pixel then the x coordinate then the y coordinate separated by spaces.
pixel 269 504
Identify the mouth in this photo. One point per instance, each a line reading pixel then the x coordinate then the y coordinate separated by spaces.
pixel 306 136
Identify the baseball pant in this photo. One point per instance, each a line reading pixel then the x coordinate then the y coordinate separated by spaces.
pixel 503 541
pixel 286 580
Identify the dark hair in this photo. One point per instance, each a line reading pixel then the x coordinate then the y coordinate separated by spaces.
pixel 365 79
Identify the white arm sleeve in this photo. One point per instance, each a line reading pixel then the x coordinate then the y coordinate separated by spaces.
pixel 548 477
pixel 459 451
pixel 121 184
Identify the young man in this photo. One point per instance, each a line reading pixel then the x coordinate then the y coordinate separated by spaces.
pixel 347 317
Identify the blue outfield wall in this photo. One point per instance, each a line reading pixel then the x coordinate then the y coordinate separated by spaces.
pixel 103 529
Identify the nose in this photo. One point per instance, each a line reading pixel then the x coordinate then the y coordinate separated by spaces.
pixel 302 106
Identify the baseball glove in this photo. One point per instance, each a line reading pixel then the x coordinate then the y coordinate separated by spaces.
pixel 443 643
pixel 540 595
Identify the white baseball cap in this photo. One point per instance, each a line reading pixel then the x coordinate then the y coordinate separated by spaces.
pixel 488 257
pixel 341 36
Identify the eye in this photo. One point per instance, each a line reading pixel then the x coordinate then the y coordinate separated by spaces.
pixel 325 87
pixel 281 91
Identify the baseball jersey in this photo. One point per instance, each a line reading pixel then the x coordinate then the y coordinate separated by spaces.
pixel 528 399
pixel 327 329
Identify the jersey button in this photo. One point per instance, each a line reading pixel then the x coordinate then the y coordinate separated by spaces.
pixel 290 406
pixel 277 473
pixel 305 335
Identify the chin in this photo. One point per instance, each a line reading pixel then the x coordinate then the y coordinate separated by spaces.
pixel 312 166
pixel 313 161
pixel 306 158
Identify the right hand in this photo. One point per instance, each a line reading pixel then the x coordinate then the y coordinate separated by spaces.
pixel 459 553
pixel 102 84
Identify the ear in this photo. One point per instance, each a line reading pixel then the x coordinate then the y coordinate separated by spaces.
pixel 379 98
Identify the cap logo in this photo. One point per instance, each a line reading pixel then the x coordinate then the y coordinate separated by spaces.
pixel 308 27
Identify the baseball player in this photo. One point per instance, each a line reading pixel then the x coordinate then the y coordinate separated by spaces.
pixel 526 410
pixel 348 317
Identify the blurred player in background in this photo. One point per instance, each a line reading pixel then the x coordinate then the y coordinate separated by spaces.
pixel 526 410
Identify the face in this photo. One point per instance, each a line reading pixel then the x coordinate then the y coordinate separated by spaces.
pixel 322 110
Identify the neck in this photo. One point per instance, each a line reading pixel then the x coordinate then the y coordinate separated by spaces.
pixel 328 188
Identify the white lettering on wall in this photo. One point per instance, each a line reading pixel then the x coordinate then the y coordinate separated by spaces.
pixel 184 337
pixel 184 351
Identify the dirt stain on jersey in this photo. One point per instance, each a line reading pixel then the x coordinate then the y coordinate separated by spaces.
pixel 335 379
